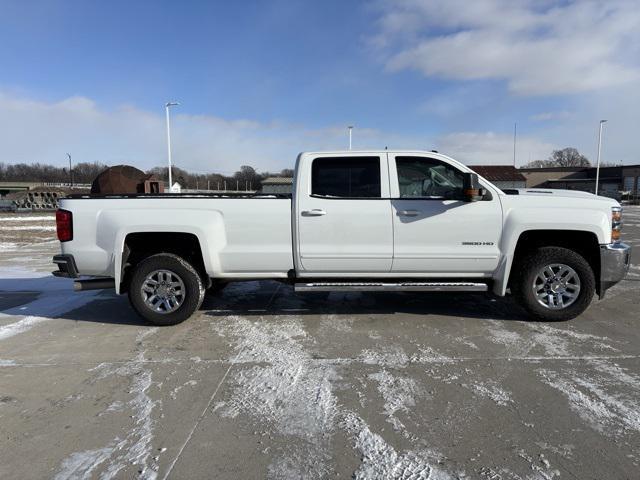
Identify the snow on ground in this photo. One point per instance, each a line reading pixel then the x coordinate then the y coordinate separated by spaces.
pixel 135 448
pixel 15 228
pixel 28 218
pixel 26 267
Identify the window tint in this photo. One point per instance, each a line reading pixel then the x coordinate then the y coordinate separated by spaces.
pixel 350 177
pixel 420 177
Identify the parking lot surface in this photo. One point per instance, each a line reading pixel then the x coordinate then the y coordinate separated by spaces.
pixel 264 383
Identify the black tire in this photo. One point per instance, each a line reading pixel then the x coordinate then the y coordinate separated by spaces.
pixel 527 269
pixel 193 288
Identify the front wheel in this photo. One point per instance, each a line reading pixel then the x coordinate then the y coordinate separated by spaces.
pixel 554 284
pixel 165 289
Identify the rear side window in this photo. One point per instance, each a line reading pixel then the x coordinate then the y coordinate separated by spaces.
pixel 346 177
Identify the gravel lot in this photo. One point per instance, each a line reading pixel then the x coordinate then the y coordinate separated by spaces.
pixel 267 383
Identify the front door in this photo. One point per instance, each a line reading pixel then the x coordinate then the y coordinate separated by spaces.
pixel 344 216
pixel 435 231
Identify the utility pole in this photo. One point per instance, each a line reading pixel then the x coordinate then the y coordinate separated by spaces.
pixel 166 108
pixel 350 127
pixel 602 122
pixel 515 133
pixel 70 170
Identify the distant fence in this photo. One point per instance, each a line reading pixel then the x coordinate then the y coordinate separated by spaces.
pixel 66 185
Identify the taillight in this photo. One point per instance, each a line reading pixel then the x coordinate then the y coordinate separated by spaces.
pixel 64 225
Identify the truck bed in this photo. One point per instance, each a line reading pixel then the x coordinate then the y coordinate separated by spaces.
pixel 251 238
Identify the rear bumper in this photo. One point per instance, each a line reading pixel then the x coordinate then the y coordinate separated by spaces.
pixel 66 266
pixel 614 264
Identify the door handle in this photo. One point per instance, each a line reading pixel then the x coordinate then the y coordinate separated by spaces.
pixel 409 213
pixel 316 212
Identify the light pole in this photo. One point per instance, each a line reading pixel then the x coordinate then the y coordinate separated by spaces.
pixel 602 122
pixel 350 127
pixel 70 170
pixel 166 108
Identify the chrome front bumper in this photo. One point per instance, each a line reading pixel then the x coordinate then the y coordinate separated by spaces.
pixel 614 264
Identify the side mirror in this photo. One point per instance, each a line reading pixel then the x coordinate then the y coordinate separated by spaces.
pixel 471 188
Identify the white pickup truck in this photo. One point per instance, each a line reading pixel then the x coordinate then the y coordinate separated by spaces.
pixel 356 221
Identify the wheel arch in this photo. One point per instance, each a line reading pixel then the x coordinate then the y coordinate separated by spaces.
pixel 140 245
pixel 583 242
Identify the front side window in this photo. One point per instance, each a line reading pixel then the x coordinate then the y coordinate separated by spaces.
pixel 346 177
pixel 420 177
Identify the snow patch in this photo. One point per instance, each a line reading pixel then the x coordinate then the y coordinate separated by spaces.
pixel 174 392
pixel 541 466
pixel 282 386
pixel 381 460
pixel 605 412
pixel 430 355
pixel 398 394
pixel 79 465
pixel 28 218
pixel 21 326
pixel 492 391
pixel 42 228
pixel 135 448
pixel 387 356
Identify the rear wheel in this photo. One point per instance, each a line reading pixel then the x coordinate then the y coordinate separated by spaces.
pixel 165 289
pixel 554 283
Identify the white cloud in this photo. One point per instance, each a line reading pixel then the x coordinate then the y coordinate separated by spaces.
pixel 537 47
pixel 548 116
pixel 38 131
pixel 489 148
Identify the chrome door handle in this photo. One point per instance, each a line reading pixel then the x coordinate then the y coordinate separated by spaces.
pixel 409 213
pixel 316 212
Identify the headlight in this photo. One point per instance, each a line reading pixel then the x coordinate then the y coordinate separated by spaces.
pixel 616 223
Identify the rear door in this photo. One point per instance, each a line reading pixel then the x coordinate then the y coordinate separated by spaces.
pixel 435 231
pixel 344 215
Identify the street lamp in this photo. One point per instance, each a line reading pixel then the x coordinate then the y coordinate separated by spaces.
pixel 70 170
pixel 166 108
pixel 350 127
pixel 602 122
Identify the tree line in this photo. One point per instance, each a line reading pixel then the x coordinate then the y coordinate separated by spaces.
pixel 567 157
pixel 245 178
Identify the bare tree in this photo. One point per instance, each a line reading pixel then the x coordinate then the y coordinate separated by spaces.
pixel 568 157
pixel 537 164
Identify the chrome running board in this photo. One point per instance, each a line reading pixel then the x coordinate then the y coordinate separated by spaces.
pixel 390 287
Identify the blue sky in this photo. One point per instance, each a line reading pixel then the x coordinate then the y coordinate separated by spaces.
pixel 260 81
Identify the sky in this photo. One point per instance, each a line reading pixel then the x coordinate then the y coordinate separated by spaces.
pixel 260 81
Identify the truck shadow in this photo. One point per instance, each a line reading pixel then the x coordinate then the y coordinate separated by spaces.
pixel 51 297
pixel 272 298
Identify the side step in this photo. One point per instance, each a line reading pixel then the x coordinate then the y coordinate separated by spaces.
pixel 391 287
